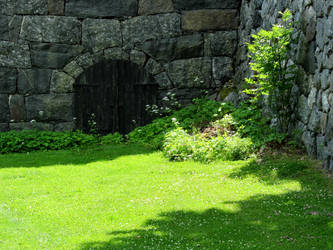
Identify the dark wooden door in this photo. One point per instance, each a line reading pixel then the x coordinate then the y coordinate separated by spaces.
pixel 114 94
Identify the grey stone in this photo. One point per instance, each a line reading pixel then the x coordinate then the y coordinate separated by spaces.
pixel 314 121
pixel 325 104
pixel 163 81
pixel 210 20
pixel 14 55
pixel 4 108
pixel 52 29
pixel 148 7
pixel 4 27
pixel 99 34
pixel 4 127
pixel 56 7
pixel 55 107
pixel 139 29
pixel 55 56
pixel 61 82
pixel 153 67
pixel 73 69
pixel 312 97
pixel 222 69
pixel 101 8
pixel 27 7
pixel 320 140
pixel 324 79
pixel 221 43
pixel 17 108
pixel 64 126
pixel 34 81
pixel 138 57
pixel 323 123
pixel 329 127
pixel 8 79
pixel 206 4
pixel 14 28
pixel 303 109
pixel 116 54
pixel 310 63
pixel 309 142
pixel 191 73
pixel 31 126
pixel 169 49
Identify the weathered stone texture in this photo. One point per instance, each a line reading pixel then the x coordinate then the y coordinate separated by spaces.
pixel 205 20
pixel 34 81
pixel 206 4
pixel 4 127
pixel 4 108
pixel 56 7
pixel 148 7
pixel 17 108
pixel 138 57
pixel 64 126
pixel 101 8
pixel 115 54
pixel 8 79
pixel 223 69
pixel 61 83
pixel 4 27
pixel 191 73
pixel 46 55
pixel 143 28
pixel 52 29
pixel 153 67
pixel 221 43
pixel 14 28
pixel 99 34
pixel 55 107
pixel 27 7
pixel 169 49
pixel 31 126
pixel 14 55
pixel 163 81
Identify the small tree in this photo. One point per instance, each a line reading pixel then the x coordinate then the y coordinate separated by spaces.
pixel 273 73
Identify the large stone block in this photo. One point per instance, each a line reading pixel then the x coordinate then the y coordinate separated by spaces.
pixel 4 27
pixel 56 7
pixel 34 81
pixel 32 125
pixel 14 27
pixel 14 55
pixel 101 8
pixel 52 29
pixel 169 49
pixel 61 82
pixel 4 127
pixel 148 7
pixel 191 73
pixel 8 78
pixel 17 108
pixel 206 4
pixel 303 109
pixel 222 69
pixel 27 7
pixel 99 34
pixel 64 126
pixel 221 43
pixel 52 107
pixel 4 108
pixel 55 56
pixel 204 20
pixel 140 29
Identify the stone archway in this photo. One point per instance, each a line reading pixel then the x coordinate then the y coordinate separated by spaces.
pixel 113 93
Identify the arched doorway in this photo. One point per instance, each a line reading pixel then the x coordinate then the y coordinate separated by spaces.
pixel 114 94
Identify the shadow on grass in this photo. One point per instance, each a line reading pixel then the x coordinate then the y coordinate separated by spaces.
pixel 293 220
pixel 71 157
pixel 286 221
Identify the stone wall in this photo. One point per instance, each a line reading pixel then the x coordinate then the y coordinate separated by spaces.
pixel 187 45
pixel 313 54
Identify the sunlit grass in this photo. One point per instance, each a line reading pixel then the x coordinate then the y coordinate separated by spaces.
pixel 128 197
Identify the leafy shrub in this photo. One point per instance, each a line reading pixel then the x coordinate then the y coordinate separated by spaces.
pixel 191 117
pixel 33 140
pixel 115 138
pixel 179 146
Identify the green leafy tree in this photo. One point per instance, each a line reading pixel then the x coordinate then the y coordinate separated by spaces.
pixel 273 73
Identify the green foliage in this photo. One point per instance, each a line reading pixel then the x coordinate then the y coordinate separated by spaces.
pixel 179 146
pixel 115 138
pixel 194 116
pixel 273 73
pixel 32 140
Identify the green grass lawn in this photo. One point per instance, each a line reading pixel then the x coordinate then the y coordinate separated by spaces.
pixel 128 197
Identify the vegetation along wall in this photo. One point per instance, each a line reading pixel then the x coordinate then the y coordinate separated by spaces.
pixel 313 92
pixel 49 50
